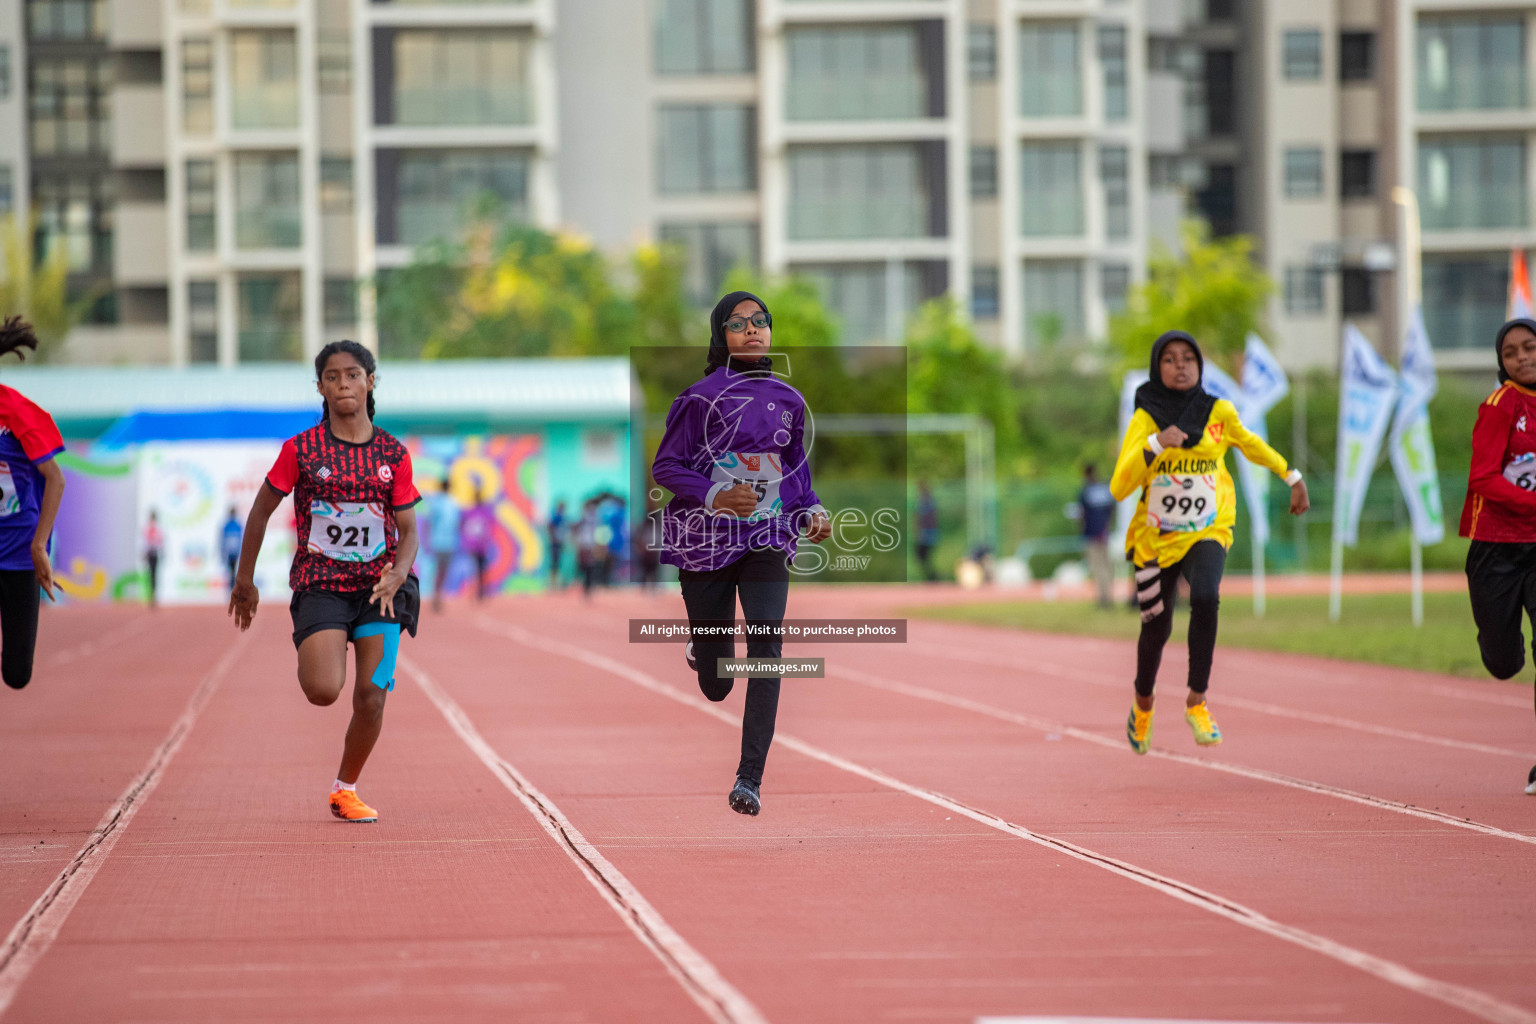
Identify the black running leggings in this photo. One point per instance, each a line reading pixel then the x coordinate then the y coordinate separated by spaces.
pixel 1501 580
pixel 1156 587
pixel 20 597
pixel 761 579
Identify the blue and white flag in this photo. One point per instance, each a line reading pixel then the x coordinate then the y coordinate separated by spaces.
pixel 1264 384
pixel 1411 446
pixel 1368 391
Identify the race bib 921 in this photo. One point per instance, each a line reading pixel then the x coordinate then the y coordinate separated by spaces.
pixel 346 531
pixel 1177 503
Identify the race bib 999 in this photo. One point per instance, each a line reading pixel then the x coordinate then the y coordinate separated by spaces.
pixel 1177 503
pixel 346 531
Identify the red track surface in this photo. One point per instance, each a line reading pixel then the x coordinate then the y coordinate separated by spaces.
pixel 953 828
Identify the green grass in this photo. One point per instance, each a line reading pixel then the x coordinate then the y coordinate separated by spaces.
pixel 1376 627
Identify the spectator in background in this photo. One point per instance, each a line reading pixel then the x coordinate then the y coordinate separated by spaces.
pixel 557 528
pixel 647 550
pixel 615 537
pixel 927 530
pixel 589 550
pixel 154 543
pixel 477 531
pixel 442 537
pixel 229 544
pixel 1098 511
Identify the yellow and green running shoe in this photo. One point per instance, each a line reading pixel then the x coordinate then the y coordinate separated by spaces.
pixel 1138 729
pixel 1207 734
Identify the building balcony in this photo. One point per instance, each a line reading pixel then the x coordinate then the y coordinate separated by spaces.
pixel 140 254
pixel 826 11
pixel 138 126
pixel 136 25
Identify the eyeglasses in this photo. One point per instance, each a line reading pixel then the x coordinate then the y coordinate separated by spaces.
pixel 737 324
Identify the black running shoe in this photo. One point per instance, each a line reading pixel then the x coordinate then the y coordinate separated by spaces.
pixel 688 654
pixel 1530 781
pixel 745 798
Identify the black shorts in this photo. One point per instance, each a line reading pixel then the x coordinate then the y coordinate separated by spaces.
pixel 316 610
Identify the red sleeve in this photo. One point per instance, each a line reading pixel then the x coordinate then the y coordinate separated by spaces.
pixel 32 427
pixel 285 471
pixel 404 494
pixel 1490 443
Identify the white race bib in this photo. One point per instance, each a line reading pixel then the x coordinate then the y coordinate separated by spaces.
pixel 347 531
pixel 1177 503
pixel 10 501
pixel 1521 472
pixel 763 472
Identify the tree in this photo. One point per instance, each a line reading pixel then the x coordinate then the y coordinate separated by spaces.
pixel 800 318
pixel 38 289
pixel 1214 291
pixel 950 370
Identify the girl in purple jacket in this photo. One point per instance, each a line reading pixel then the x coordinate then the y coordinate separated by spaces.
pixel 734 457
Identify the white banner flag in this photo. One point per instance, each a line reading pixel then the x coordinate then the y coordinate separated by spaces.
pixel 1367 394
pixel 1126 510
pixel 1411 446
pixel 1264 384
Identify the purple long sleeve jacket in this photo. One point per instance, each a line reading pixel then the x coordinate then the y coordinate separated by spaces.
pixel 728 428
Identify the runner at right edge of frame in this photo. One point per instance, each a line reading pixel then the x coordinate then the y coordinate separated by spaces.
pixel 1499 516
pixel 1174 453
pixel 733 455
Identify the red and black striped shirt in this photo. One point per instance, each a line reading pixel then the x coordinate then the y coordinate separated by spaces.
pixel 345 497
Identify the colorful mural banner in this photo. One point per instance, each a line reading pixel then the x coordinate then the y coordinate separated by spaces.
pixel 93 554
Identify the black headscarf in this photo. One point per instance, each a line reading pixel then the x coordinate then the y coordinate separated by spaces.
pixel 1498 343
pixel 1190 409
pixel 719 354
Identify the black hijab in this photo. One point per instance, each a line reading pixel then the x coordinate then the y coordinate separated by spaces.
pixel 1190 409
pixel 719 354
pixel 1498 343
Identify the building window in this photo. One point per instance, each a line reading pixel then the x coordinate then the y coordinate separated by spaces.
pixel 1220 80
pixel 71 106
pixel 203 321
pixel 1471 62
pixel 1303 291
pixel 1052 182
pixel 340 308
pixel 1303 172
pixel 202 206
pixel 1470 183
pixel 427 195
pixel 1357 56
pixel 335 185
pixel 981 52
pixel 864 72
pixel 1357 173
pixel 74 211
pixel 1050 71
pixel 1112 59
pixel 871 301
pixel 67 19
pixel 7 193
pixel 986 293
pixel 5 72
pixel 865 191
pixel 270 315
pixel 704 37
pixel 1115 176
pixel 1220 10
pixel 1303 58
pixel 197 86
pixel 1053 302
pixel 983 172
pixel 712 252
pixel 706 149
pixel 333 62
pixel 264 80
pixel 1357 291
pixel 1464 298
pixel 267 210
pixel 454 77
pixel 1114 286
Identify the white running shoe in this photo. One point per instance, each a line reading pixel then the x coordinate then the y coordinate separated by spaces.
pixel 1530 784
pixel 688 654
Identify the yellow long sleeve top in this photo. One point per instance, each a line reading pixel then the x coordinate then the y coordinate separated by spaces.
pixel 1187 494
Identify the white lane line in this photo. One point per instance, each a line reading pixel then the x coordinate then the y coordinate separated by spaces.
pixel 110 638
pixel 1035 667
pixel 1467 1000
pixel 718 998
pixel 40 925
pixel 1047 726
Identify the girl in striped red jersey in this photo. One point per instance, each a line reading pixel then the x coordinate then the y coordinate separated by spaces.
pixel 1500 512
pixel 354 506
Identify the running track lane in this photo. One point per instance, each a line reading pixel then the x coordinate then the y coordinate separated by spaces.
pixel 1454 904
pixel 235 896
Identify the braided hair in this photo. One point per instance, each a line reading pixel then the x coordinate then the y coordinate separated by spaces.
pixel 15 335
pixel 356 351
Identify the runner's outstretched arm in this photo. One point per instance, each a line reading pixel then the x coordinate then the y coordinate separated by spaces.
pixel 243 596
pixel 53 493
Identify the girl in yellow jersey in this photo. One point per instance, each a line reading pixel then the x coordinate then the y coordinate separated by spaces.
pixel 1174 453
